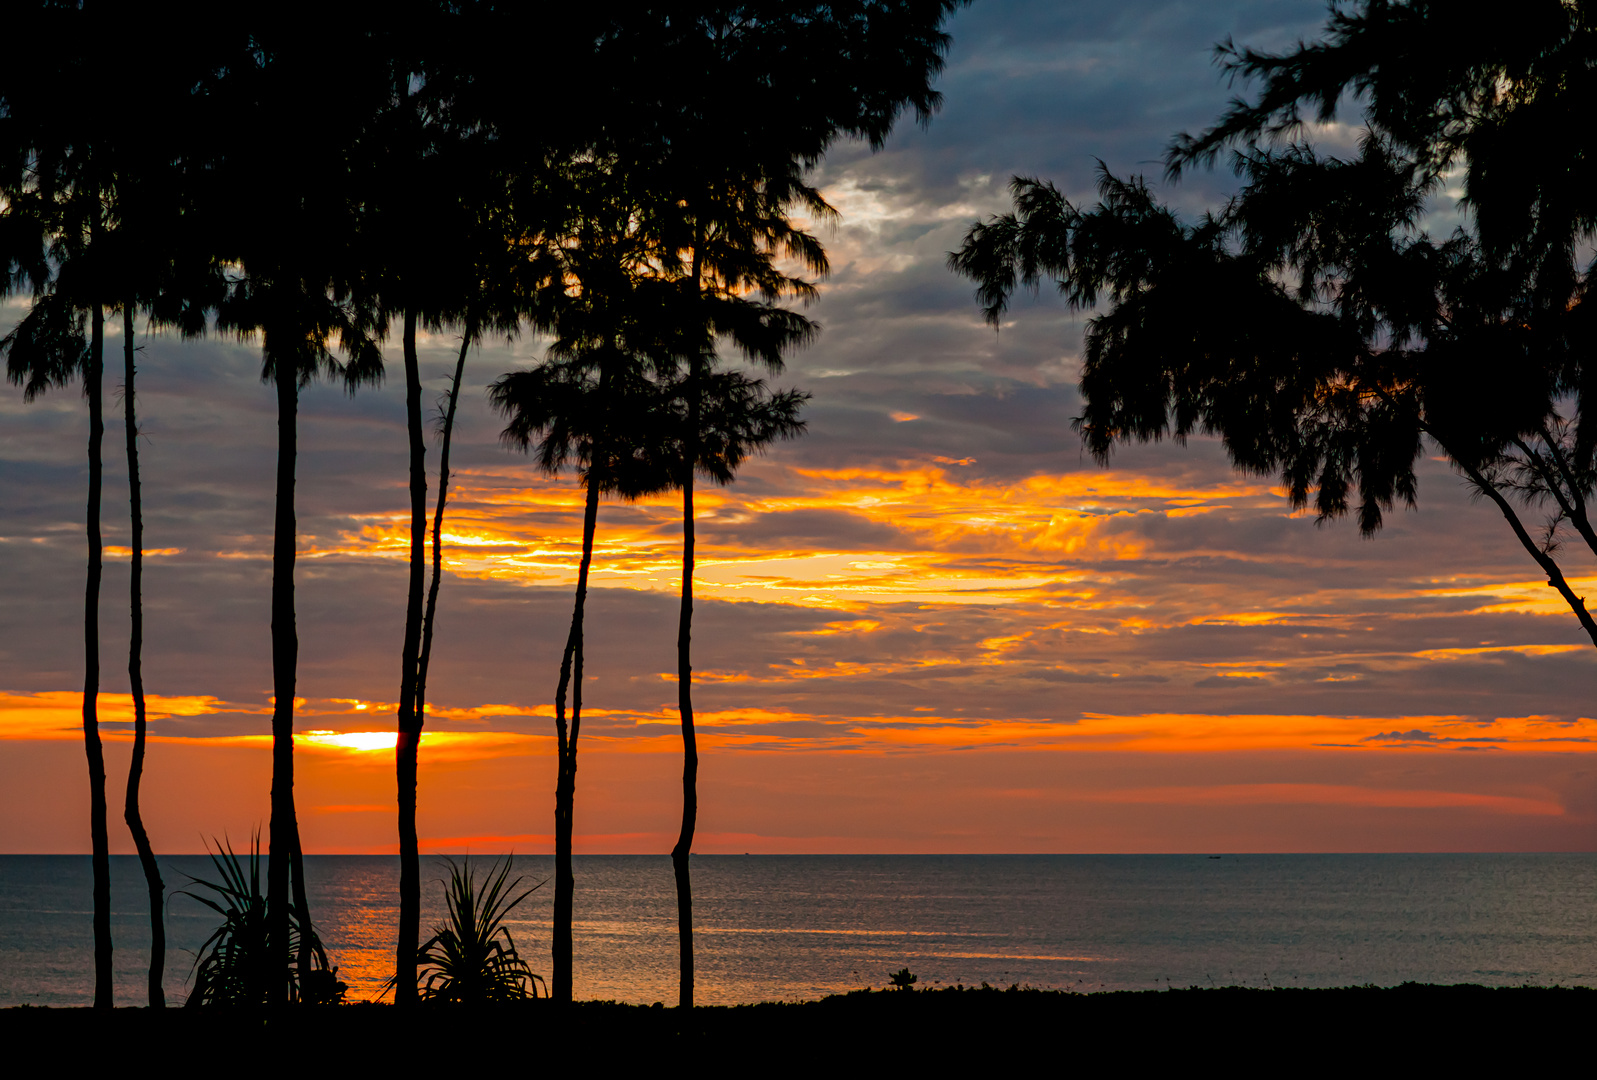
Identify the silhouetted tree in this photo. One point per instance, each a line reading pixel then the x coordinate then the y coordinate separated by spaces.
pixel 295 322
pixel 721 418
pixel 1508 99
pixel 593 403
pixel 97 205
pixel 290 231
pixel 158 265
pixel 47 349
pixel 178 293
pixel 592 409
pixel 130 805
pixel 732 288
pixel 53 209
pixel 434 157
pixel 733 178
pixel 1313 323
pixel 408 182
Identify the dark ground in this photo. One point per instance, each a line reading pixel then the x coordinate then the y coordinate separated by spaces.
pixel 1436 1029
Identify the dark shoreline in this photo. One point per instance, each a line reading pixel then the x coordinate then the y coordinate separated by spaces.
pixel 1285 1029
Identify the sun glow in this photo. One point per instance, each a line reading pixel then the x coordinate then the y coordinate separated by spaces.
pixel 363 741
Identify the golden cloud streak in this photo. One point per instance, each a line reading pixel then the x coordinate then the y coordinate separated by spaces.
pixel 514 525
pixel 1519 597
pixel 927 533
pixel 54 716
pixel 57 714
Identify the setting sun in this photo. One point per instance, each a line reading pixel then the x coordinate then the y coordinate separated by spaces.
pixel 364 741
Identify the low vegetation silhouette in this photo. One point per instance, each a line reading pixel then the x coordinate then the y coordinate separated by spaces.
pixel 240 964
pixel 472 958
pixel 904 979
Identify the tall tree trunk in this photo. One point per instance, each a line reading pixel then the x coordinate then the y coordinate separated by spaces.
pixel 682 854
pixel 130 806
pixel 283 831
pixel 566 779
pixel 683 851
pixel 407 969
pixel 99 836
pixel 410 717
pixel 429 622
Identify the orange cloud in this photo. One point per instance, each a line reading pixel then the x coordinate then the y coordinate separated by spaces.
pixel 952 525
pixel 57 714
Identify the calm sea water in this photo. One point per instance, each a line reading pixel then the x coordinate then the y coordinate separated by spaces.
pixel 789 927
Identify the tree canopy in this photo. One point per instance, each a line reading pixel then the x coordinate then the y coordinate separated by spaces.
pixel 1314 322
pixel 631 181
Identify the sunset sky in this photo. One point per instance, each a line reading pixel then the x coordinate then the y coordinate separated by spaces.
pixel 931 625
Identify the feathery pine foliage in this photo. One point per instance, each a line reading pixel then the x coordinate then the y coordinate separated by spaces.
pixel 1313 323
pixel 592 401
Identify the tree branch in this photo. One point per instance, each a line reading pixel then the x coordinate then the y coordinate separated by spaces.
pixel 1555 576
pixel 1578 513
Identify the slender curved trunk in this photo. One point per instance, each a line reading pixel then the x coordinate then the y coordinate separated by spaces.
pixel 130 806
pixel 428 622
pixel 407 957
pixel 98 831
pixel 410 713
pixel 566 779
pixel 682 854
pixel 283 831
pixel 683 851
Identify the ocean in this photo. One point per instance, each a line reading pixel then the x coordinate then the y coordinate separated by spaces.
pixel 789 927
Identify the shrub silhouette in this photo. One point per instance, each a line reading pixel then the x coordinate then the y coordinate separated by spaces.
pixel 472 959
pixel 237 964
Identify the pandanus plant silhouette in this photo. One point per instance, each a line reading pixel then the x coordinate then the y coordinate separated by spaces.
pixel 472 959
pixel 238 964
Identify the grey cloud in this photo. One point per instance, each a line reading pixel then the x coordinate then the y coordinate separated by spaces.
pixel 821 528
